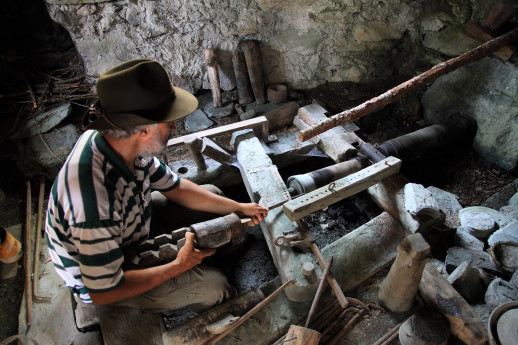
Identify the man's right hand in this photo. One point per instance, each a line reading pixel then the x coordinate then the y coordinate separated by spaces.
pixel 188 256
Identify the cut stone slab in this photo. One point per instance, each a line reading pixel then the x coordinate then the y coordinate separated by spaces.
pixel 464 239
pixel 508 233
pixel 500 291
pixel 448 204
pixel 455 256
pixel 468 282
pixel 420 201
pixel 197 121
pixel 225 110
pixel 502 197
pixel 479 223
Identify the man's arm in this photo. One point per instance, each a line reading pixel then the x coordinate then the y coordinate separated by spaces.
pixel 192 196
pixel 140 281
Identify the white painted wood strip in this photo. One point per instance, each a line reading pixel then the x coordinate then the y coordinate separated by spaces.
pixel 255 122
pixel 340 189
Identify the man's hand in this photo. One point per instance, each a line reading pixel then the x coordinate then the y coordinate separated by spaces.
pixel 252 210
pixel 188 256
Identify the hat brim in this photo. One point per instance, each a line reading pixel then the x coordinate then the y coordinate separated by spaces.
pixel 183 104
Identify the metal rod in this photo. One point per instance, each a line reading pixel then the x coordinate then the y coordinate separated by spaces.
pixel 347 326
pixel 320 289
pixel 28 226
pixel 388 334
pixel 37 243
pixel 250 313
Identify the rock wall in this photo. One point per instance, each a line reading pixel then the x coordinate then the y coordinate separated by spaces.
pixel 304 43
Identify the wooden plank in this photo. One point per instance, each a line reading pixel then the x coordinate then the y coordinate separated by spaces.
pixel 336 142
pixel 480 35
pixel 244 89
pixel 255 122
pixel 340 189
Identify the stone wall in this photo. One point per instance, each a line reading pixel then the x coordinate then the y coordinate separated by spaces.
pixel 304 43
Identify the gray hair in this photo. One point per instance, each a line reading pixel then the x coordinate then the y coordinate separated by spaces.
pixel 123 133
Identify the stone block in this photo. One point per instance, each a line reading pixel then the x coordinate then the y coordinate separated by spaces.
pixel 508 233
pixel 420 201
pixel 163 239
pixel 464 239
pixel 479 223
pixel 149 258
pixel 510 211
pixel 514 279
pixel 448 204
pixel 500 291
pixel 197 121
pixel 168 252
pixel 468 283
pixel 212 150
pixel 455 256
pixel 505 256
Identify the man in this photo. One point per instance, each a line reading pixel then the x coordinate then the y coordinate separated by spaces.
pixel 101 200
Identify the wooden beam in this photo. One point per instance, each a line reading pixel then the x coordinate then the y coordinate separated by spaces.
pixel 439 294
pixel 244 88
pixel 340 189
pixel 407 87
pixel 256 122
pixel 255 70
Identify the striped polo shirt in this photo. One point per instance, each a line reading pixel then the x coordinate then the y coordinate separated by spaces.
pixel 97 206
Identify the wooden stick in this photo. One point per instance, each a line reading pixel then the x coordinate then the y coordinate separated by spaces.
pixel 255 70
pixel 35 268
pixel 212 67
pixel 250 313
pixel 407 87
pixel 244 89
pixel 28 226
pixel 330 278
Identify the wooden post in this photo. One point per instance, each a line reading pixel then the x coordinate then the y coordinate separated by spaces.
pixel 255 70
pixel 212 67
pixel 439 294
pixel 282 116
pixel 398 290
pixel 194 144
pixel 242 81
pixel 407 87
pixel 27 261
pixel 298 335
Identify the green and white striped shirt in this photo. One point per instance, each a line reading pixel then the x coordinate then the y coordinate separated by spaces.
pixel 96 207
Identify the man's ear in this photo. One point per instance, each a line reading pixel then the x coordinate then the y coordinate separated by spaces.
pixel 145 131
